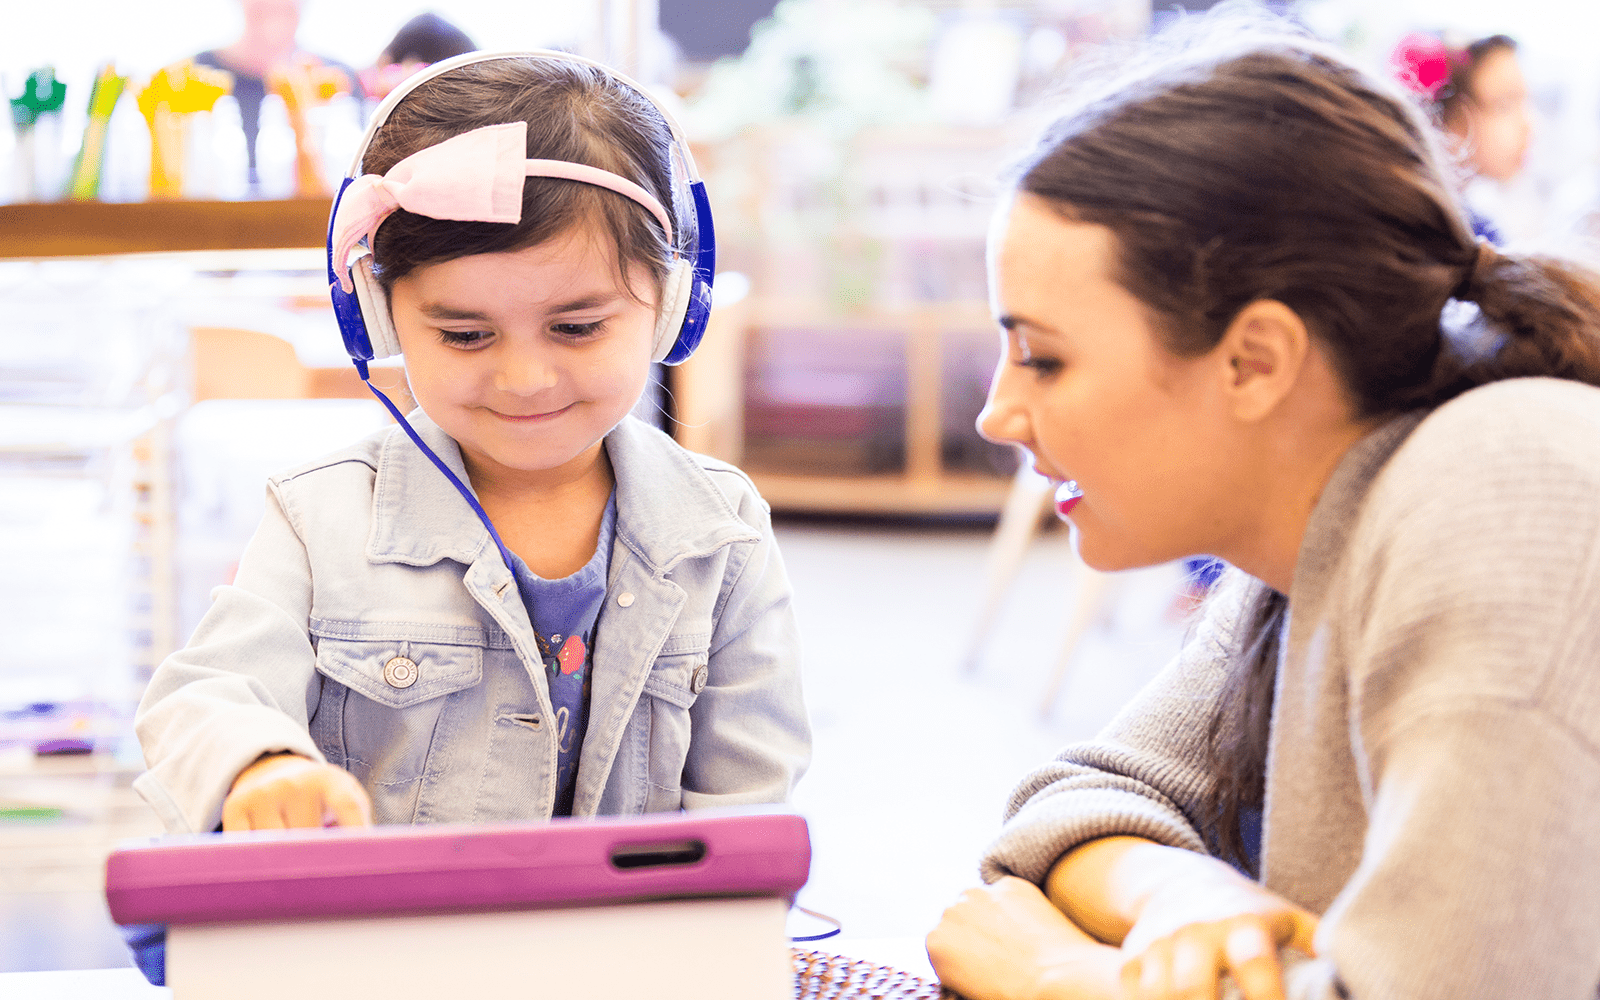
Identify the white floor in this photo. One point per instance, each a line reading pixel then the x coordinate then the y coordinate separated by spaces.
pixel 914 756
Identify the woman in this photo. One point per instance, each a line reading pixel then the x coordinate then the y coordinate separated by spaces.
pixel 1237 297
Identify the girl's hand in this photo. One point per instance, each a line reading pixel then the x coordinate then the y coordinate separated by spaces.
pixel 1006 941
pixel 287 790
pixel 1192 932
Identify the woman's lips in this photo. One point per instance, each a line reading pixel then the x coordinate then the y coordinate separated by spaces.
pixel 1067 497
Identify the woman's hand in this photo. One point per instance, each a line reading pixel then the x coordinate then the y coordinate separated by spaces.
pixel 286 790
pixel 1191 932
pixel 1006 941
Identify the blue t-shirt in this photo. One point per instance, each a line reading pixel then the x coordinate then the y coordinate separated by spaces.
pixel 563 613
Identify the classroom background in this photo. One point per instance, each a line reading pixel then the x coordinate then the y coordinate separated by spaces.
pixel 166 342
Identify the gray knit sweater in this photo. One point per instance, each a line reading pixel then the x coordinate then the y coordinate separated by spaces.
pixel 1433 780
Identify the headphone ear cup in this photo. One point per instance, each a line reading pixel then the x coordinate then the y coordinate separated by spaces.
pixel 675 296
pixel 697 313
pixel 381 336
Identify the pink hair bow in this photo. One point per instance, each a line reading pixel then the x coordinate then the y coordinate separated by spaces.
pixel 473 177
pixel 1422 62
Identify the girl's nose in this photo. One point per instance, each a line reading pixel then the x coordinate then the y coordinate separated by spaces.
pixel 524 372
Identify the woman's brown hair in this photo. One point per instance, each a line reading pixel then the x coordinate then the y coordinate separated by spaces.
pixel 1277 170
pixel 575 112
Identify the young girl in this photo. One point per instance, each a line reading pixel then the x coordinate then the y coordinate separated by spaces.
pixel 1243 315
pixel 1478 95
pixel 601 623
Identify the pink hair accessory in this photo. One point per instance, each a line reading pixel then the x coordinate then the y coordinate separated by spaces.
pixel 1422 62
pixel 473 177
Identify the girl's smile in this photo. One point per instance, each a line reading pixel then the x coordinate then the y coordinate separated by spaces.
pixel 532 417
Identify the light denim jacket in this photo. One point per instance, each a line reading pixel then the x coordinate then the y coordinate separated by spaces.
pixel 370 554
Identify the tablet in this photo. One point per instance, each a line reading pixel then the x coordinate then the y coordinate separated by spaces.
pixel 387 871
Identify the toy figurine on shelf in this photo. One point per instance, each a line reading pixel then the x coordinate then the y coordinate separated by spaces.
pixel 85 182
pixel 304 84
pixel 36 116
pixel 175 94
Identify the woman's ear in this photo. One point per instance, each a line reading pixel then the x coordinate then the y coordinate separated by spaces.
pixel 1263 350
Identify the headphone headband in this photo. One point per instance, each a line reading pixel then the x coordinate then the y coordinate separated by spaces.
pixel 361 305
pixel 381 113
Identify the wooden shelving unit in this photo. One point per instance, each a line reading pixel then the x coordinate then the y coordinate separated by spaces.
pixel 708 392
pixel 91 228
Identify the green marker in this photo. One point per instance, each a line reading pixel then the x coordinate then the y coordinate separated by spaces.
pixel 42 95
pixel 86 171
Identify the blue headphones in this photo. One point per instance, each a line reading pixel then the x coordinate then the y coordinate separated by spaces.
pixel 363 314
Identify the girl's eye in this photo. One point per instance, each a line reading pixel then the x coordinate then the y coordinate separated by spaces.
pixel 578 331
pixel 464 338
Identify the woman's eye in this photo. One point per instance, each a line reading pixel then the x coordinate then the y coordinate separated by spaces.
pixel 1040 365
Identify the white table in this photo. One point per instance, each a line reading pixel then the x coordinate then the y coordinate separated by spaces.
pixel 91 984
pixel 905 953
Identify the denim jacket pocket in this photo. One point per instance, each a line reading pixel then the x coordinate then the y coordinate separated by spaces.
pixel 396 666
pixel 672 688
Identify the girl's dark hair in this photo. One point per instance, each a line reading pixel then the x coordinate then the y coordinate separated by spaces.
pixel 1464 67
pixel 1276 170
pixel 427 38
pixel 575 112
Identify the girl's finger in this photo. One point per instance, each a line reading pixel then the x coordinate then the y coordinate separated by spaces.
pixel 301 806
pixel 348 805
pixel 1253 959
pixel 264 814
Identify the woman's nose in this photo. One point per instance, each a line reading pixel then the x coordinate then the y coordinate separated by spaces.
pixel 1002 420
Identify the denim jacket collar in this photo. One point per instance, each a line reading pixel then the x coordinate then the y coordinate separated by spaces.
pixel 418 518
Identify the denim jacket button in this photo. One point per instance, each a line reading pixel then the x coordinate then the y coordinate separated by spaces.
pixel 400 672
pixel 697 681
pixel 625 600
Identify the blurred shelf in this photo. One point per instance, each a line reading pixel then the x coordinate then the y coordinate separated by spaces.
pixel 91 228
pixel 947 494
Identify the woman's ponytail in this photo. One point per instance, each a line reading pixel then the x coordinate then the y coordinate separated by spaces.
pixel 1548 310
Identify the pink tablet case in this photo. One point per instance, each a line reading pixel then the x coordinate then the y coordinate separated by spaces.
pixel 301 874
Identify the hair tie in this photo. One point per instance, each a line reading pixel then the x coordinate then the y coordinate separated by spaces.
pixel 1472 282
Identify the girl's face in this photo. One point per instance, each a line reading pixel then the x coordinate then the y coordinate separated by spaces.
pixel 1494 123
pixel 528 358
pixel 1084 385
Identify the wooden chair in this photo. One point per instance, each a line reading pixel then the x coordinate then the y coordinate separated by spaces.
pixel 233 363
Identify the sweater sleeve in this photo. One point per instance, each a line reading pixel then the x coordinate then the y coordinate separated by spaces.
pixel 1143 776
pixel 1474 686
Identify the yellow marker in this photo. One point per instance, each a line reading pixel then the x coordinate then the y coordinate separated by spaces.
pixel 174 93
